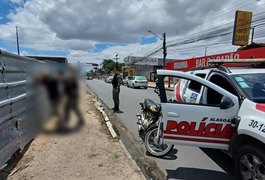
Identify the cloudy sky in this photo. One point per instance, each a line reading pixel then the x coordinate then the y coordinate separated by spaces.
pixel 92 30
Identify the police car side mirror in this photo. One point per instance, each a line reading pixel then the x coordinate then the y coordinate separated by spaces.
pixel 226 102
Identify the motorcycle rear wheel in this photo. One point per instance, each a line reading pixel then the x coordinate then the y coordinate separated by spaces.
pixel 152 148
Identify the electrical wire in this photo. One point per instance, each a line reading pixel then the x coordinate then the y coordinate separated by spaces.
pixel 222 30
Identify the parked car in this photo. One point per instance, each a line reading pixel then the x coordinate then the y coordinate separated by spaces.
pixel 137 81
pixel 89 78
pixel 125 81
pixel 109 79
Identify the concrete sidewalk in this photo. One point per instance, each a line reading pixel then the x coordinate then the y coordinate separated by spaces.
pixel 90 153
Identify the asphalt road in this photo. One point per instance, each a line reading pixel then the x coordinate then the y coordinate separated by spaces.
pixel 184 162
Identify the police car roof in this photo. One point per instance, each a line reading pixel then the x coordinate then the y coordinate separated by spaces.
pixel 234 70
pixel 242 70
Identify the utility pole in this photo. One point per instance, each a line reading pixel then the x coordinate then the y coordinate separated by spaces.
pixel 164 51
pixel 252 34
pixel 116 57
pixel 17 41
pixel 205 52
pixel 164 46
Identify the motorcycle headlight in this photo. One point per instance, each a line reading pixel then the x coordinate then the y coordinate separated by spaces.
pixel 153 108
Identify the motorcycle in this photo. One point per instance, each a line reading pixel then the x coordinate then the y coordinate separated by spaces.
pixel 148 123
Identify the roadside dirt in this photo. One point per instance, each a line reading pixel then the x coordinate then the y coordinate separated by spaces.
pixel 90 153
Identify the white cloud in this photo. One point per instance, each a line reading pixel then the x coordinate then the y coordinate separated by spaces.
pixel 76 26
pixel 134 49
pixel 3 49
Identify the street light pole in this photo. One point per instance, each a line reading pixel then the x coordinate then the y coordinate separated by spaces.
pixel 17 41
pixel 164 50
pixel 116 57
pixel 252 34
pixel 164 46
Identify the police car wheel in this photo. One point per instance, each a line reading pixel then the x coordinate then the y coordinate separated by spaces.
pixel 152 148
pixel 250 163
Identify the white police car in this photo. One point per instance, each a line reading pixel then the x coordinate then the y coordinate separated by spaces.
pixel 222 108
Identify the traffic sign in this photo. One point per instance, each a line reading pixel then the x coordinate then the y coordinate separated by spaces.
pixel 242 28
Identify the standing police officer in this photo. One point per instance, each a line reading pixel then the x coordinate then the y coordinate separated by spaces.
pixel 116 83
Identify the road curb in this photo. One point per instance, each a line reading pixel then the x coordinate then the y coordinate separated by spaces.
pixel 107 122
pixel 100 108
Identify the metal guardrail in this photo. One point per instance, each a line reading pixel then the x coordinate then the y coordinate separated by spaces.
pixel 21 103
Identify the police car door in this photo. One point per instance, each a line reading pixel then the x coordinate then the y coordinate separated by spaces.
pixel 197 124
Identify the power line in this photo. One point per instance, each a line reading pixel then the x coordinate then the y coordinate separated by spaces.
pixel 208 35
pixel 230 23
pixel 231 10
pixel 222 28
pixel 214 32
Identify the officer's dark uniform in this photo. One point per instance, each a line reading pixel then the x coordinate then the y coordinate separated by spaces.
pixel 116 83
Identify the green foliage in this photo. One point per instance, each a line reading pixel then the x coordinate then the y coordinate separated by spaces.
pixel 109 65
pixel 120 65
pixel 88 74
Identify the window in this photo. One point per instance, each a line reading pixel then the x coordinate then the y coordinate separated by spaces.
pixel 253 85
pixel 195 86
pixel 223 83
pixel 214 97
pixel 141 78
pixel 183 95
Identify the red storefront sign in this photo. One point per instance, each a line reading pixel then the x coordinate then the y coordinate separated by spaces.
pixel 182 65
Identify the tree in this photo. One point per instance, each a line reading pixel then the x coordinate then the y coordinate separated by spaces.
pixel 88 74
pixel 108 65
pixel 120 65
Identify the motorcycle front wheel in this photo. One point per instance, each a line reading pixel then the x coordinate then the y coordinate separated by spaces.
pixel 154 149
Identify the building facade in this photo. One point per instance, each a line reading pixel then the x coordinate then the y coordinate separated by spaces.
pixel 143 66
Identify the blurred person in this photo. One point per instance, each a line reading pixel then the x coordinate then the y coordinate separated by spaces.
pixel 116 83
pixel 71 90
pixel 52 84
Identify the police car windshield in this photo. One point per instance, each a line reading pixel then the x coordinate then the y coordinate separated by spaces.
pixel 253 85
